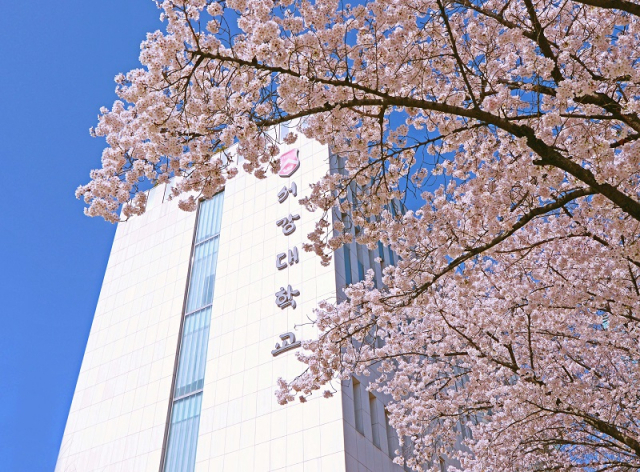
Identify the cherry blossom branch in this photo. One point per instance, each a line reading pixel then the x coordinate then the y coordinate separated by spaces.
pixel 548 155
pixel 559 203
pixel 624 5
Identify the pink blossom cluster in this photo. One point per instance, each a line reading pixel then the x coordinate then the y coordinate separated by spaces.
pixel 517 124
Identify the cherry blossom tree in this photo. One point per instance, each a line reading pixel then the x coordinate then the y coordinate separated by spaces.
pixel 513 313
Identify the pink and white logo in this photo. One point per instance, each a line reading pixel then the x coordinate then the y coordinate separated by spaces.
pixel 289 163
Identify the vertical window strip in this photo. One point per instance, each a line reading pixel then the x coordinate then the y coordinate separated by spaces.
pixel 360 269
pixel 392 436
pixel 373 411
pixel 347 265
pixel 372 265
pixel 357 405
pixel 360 255
pixel 182 437
pixel 381 255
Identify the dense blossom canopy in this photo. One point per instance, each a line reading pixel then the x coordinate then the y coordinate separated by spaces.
pixel 514 310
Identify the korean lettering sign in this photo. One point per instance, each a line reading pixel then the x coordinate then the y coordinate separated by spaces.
pixel 286 296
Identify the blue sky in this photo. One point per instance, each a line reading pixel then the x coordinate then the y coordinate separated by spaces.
pixel 57 63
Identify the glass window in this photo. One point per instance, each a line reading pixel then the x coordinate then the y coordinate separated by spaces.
pixel 182 439
pixel 195 337
pixel 203 274
pixel 183 434
pixel 209 218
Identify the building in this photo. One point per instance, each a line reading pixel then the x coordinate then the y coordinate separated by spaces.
pixel 199 315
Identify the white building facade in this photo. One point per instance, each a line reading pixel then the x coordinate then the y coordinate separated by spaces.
pixel 199 314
